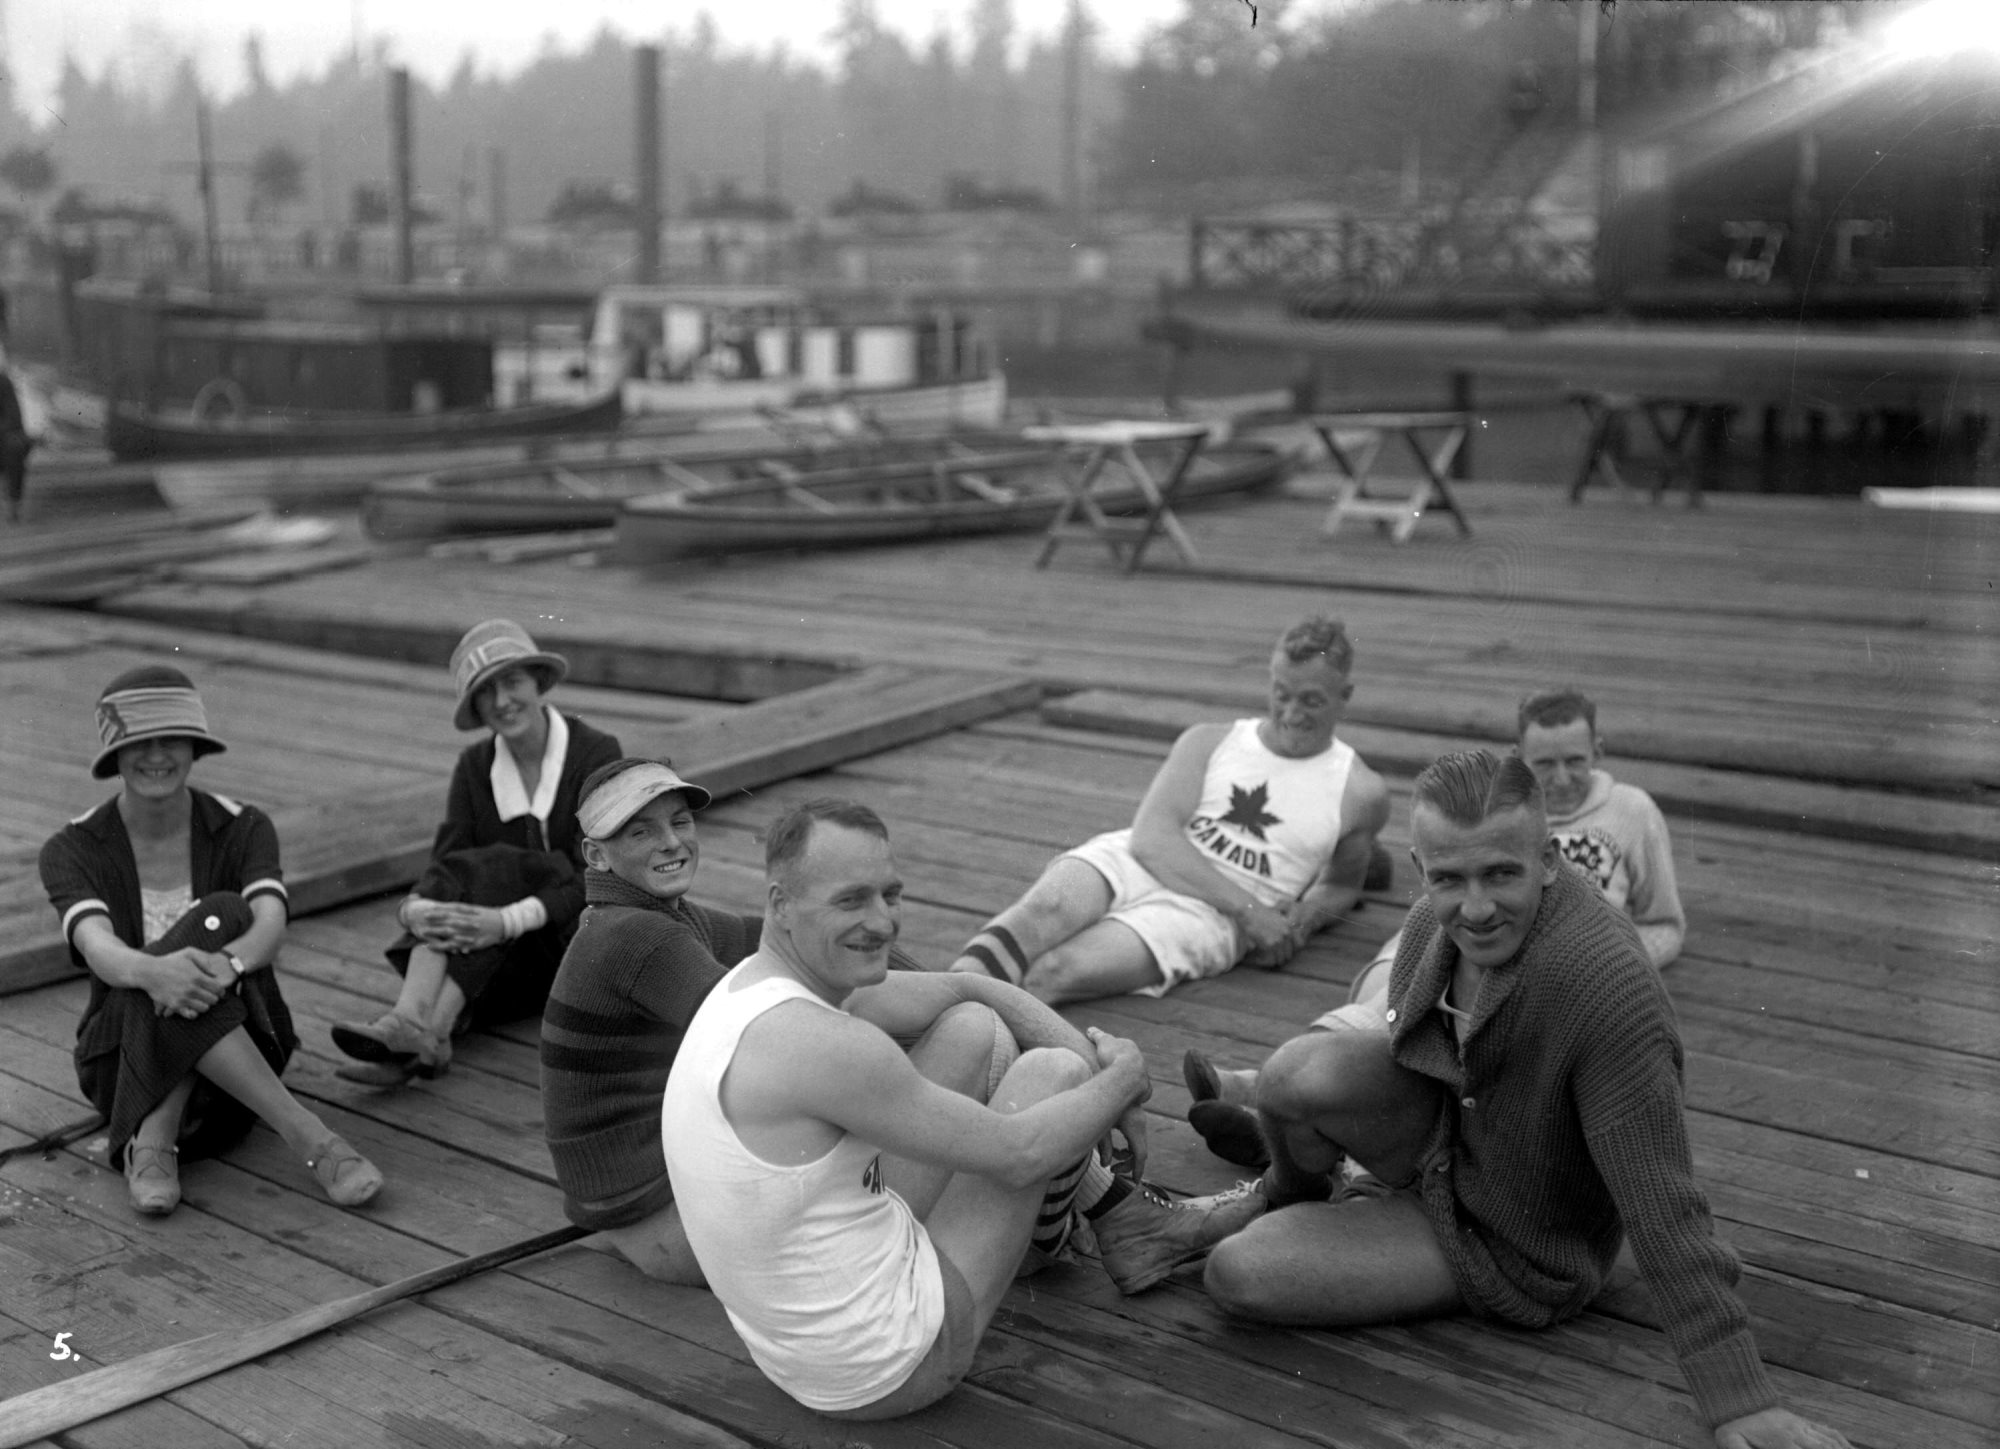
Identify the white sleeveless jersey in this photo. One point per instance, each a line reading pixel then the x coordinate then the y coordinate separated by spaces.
pixel 829 1278
pixel 1267 822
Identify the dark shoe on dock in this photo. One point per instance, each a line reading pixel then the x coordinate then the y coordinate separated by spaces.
pixel 388 1038
pixel 1232 1133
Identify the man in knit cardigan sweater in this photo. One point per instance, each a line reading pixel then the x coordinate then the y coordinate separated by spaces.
pixel 1522 1092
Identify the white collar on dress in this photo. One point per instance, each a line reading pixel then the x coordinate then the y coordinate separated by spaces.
pixel 510 796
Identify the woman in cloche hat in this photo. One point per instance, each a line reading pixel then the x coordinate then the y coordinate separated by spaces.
pixel 485 927
pixel 172 899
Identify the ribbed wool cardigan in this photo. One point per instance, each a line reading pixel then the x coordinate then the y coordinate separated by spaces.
pixel 1561 1130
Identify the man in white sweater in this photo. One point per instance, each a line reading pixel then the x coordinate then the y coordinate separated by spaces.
pixel 1613 833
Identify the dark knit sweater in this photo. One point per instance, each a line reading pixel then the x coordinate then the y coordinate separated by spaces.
pixel 1562 1130
pixel 629 984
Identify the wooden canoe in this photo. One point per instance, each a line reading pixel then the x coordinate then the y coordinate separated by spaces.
pixel 998 492
pixel 132 433
pixel 546 494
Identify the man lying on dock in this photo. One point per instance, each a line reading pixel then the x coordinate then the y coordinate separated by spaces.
pixel 1252 836
pixel 1610 831
pixel 861 1211
pixel 1519 1097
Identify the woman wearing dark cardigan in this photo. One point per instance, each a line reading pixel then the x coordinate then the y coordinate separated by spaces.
pixel 173 900
pixel 485 927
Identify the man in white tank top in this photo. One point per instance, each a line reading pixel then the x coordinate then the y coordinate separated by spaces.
pixel 860 1211
pixel 1252 836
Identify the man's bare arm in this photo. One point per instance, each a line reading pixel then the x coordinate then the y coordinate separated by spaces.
pixel 1160 840
pixel 796 1065
pixel 1364 810
pixel 905 1004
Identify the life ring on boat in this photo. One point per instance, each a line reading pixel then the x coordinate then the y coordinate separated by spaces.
pixel 220 399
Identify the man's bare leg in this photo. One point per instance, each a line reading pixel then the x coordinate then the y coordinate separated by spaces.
pixel 1106 959
pixel 979 1229
pixel 1068 897
pixel 959 1053
pixel 981 1225
pixel 1337 1265
pixel 1321 1097
pixel 1207 1082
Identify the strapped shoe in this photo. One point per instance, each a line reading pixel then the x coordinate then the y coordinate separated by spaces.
pixel 349 1178
pixel 153 1176
pixel 388 1038
pixel 1150 1234
pixel 1232 1133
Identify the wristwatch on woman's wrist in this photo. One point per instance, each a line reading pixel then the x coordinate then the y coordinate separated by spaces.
pixel 235 964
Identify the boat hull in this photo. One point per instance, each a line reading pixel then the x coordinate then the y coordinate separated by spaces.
pixel 547 495
pixel 883 506
pixel 133 435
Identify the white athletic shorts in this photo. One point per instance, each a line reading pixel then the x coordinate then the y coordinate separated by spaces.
pixel 1189 939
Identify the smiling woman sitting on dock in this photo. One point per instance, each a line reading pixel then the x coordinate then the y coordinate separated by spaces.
pixel 173 900
pixel 485 927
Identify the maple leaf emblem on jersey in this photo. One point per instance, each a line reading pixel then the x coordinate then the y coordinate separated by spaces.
pixel 1246 808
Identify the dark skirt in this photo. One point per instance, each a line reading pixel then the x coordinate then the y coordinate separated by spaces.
pixel 511 980
pixel 128 1058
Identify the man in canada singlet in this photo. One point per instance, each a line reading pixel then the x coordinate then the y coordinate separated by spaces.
pixel 1253 835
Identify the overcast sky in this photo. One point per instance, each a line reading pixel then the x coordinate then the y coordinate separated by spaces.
pixel 146 37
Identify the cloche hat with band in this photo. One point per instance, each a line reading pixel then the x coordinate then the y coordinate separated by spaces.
pixel 489 648
pixel 149 703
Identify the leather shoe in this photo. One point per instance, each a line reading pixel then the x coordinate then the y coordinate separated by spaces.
pixel 398 1040
pixel 153 1176
pixel 349 1178
pixel 1149 1234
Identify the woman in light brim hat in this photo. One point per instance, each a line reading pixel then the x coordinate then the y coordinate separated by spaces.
pixel 172 899
pixel 485 927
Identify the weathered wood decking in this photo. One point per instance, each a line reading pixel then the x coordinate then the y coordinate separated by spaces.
pixel 1810 687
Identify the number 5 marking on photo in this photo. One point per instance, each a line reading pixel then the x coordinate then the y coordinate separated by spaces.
pixel 62 1349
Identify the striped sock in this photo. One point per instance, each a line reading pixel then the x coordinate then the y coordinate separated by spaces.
pixel 1057 1216
pixel 999 953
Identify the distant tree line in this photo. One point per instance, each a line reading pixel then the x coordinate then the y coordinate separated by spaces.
pixel 1212 101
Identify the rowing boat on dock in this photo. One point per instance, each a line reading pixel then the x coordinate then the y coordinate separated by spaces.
pixel 996 493
pixel 543 494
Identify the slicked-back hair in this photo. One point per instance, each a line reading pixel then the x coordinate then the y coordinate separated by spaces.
pixel 1470 786
pixel 1554 708
pixel 786 839
pixel 1322 634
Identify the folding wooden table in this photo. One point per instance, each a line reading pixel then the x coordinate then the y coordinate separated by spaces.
pixel 1672 421
pixel 1434 439
pixel 1086 451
